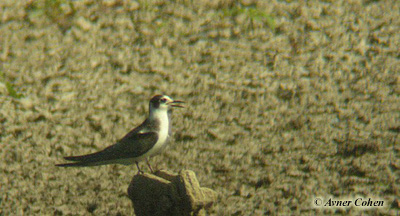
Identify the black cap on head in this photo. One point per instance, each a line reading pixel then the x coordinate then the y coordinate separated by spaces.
pixel 164 100
pixel 156 101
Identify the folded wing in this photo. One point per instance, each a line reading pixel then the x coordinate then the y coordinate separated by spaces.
pixel 130 146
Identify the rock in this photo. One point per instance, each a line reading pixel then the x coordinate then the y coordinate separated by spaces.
pixel 165 193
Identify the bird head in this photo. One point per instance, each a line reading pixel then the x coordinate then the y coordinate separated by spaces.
pixel 164 102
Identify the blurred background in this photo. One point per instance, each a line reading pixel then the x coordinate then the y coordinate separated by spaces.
pixel 286 101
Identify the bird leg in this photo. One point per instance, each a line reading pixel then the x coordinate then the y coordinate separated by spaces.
pixel 137 165
pixel 148 164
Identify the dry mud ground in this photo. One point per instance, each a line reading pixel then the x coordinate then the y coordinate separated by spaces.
pixel 278 113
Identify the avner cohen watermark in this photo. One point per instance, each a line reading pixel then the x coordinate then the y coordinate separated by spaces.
pixel 348 202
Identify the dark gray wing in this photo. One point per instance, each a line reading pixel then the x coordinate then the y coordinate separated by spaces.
pixel 130 146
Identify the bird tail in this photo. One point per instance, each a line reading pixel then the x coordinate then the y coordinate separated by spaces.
pixel 86 158
pixel 94 159
pixel 106 156
pixel 84 164
pixel 79 164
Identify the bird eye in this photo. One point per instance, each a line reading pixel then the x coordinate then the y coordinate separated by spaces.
pixel 163 100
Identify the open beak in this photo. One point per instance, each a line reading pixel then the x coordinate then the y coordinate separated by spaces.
pixel 176 103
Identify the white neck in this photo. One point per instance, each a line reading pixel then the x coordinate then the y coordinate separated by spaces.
pixel 159 114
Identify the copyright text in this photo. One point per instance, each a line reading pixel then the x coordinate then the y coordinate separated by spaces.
pixel 349 202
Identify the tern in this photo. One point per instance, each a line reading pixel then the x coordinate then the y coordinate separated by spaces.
pixel 146 140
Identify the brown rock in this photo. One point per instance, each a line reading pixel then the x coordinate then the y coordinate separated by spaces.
pixel 165 193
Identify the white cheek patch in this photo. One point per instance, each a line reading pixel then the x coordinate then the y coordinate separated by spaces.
pixel 163 106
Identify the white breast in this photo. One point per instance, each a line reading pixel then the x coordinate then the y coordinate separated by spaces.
pixel 162 117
